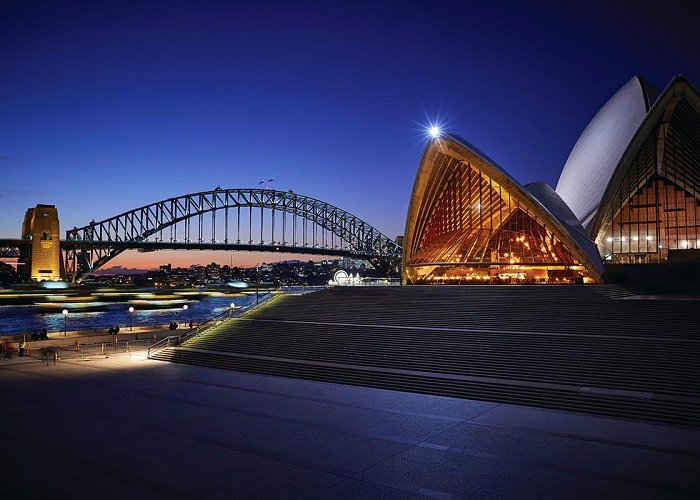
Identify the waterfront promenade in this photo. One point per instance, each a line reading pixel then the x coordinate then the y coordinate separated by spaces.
pixel 73 338
pixel 128 427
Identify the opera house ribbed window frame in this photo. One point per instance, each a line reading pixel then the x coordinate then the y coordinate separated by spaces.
pixel 471 222
pixel 655 207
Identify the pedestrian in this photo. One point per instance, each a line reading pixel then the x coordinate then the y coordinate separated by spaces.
pixel 49 355
pixel 6 350
pixel 22 346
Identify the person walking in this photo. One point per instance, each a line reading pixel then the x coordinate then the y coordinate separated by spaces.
pixel 22 347
pixel 7 350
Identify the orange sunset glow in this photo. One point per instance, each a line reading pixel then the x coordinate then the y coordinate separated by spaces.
pixel 152 260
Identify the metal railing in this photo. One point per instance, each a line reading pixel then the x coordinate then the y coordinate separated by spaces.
pixel 169 341
pixel 302 290
pixel 175 340
pixel 81 351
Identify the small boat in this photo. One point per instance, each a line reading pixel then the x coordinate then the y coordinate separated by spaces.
pixel 158 304
pixel 54 307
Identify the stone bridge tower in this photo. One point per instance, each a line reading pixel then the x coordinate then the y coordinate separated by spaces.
pixel 41 261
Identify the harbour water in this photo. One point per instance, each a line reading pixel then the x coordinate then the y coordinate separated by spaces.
pixel 103 314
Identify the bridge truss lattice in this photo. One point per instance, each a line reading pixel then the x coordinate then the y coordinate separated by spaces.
pixel 231 219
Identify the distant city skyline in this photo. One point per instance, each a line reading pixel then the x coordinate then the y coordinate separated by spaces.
pixel 179 259
pixel 107 107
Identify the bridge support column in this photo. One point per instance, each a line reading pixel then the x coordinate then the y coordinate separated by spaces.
pixel 41 261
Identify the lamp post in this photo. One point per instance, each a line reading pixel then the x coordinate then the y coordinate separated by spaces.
pixel 257 284
pixel 185 309
pixel 131 318
pixel 65 321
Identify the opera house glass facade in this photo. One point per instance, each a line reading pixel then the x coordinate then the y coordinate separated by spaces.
pixel 628 194
pixel 650 212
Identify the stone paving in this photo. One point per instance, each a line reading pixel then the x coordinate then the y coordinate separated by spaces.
pixel 127 427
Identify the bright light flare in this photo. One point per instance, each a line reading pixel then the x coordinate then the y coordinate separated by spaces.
pixel 432 127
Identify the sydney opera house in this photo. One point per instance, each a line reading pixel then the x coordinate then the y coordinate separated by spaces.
pixel 628 195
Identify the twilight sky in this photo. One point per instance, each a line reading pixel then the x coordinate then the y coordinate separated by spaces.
pixel 107 106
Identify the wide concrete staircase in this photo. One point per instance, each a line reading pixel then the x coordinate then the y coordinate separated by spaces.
pixel 584 348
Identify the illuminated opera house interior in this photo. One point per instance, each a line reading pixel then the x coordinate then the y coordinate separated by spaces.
pixel 629 193
pixel 651 208
pixel 469 221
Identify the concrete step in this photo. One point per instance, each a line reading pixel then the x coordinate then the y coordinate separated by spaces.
pixel 569 347
pixel 619 403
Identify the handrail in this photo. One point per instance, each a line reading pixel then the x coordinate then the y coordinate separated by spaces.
pixel 176 340
pixel 201 327
pixel 213 321
pixel 162 344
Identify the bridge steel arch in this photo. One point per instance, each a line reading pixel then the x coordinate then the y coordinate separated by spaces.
pixel 304 225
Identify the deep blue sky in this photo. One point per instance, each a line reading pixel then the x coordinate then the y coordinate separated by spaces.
pixel 106 106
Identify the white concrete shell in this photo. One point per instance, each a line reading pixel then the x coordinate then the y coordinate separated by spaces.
pixel 596 154
pixel 657 125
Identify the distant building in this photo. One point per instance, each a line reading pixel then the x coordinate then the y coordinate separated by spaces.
pixel 350 263
pixel 41 261
pixel 213 272
pixel 200 274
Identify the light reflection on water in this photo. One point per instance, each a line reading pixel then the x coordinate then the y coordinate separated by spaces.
pixel 15 319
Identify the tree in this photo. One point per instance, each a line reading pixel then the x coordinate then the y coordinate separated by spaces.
pixel 8 274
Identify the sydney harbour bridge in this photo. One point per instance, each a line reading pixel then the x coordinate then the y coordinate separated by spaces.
pixel 261 220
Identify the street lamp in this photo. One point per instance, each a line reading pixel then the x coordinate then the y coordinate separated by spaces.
pixel 131 318
pixel 65 321
pixel 185 309
pixel 257 284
